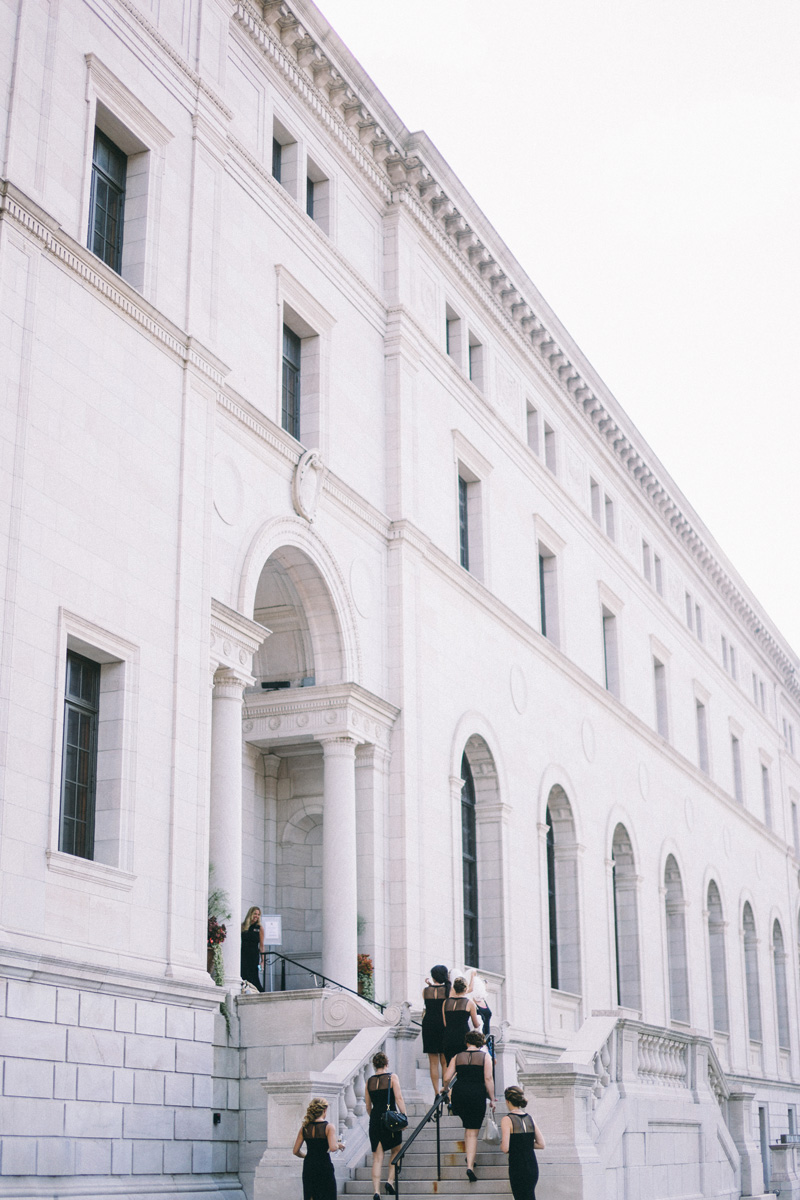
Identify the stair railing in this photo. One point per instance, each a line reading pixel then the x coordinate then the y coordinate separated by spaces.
pixel 270 957
pixel 434 1114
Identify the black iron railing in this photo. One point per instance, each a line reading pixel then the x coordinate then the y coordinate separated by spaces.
pixel 271 958
pixel 434 1114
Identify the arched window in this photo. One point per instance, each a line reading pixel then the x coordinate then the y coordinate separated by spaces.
pixel 751 974
pixel 677 964
pixel 469 863
pixel 562 894
pixel 781 992
pixel 716 950
pixel 626 921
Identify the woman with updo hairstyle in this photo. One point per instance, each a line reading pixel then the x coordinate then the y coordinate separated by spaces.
pixel 458 1011
pixel 520 1139
pixel 320 1140
pixel 434 996
pixel 472 1068
pixel 381 1093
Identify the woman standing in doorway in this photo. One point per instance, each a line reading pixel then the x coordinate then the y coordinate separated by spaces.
pixel 320 1140
pixel 520 1139
pixel 252 947
pixel 434 996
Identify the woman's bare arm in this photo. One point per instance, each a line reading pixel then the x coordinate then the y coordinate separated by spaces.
pixel 538 1140
pixel 298 1141
pixel 398 1095
pixel 488 1077
pixel 333 1141
pixel 505 1132
pixel 477 1023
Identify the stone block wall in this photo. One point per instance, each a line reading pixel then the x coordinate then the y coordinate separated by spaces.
pixel 109 1085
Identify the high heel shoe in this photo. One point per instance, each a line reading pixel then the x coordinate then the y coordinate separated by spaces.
pixel 471 1176
pixel 389 1188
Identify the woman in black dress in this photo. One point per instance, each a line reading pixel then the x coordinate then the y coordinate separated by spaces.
pixel 320 1141
pixel 434 995
pixel 381 1093
pixel 520 1139
pixel 474 1083
pixel 252 947
pixel 457 1013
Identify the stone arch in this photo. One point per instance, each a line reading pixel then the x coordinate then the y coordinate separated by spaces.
pixel 750 942
pixel 562 893
pixel 716 951
pixel 677 960
pixel 781 989
pixel 482 856
pixel 626 920
pixel 304 573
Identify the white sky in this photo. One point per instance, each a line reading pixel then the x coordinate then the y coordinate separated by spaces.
pixel 641 158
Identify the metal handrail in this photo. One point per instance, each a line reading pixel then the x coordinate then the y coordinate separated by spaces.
pixel 316 975
pixel 433 1114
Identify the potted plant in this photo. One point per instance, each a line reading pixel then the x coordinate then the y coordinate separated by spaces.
pixel 366 982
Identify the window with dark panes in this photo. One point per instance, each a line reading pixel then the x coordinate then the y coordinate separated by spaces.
pixel 551 899
pixel 463 522
pixel 107 201
pixel 310 198
pixel 290 406
pixel 469 859
pixel 277 152
pixel 79 757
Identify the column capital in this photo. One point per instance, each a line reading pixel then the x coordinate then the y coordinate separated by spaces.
pixel 230 684
pixel 338 745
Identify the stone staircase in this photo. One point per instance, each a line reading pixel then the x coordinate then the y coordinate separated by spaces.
pixel 418 1177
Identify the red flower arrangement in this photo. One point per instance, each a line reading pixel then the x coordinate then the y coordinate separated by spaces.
pixel 216 933
pixel 365 965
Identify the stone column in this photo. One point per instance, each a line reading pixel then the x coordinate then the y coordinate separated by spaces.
pixel 339 862
pixel 225 841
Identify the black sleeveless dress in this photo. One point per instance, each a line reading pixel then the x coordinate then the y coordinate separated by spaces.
pixel 523 1169
pixel 319 1181
pixel 432 1024
pixel 381 1093
pixel 457 1027
pixel 251 953
pixel 469 1090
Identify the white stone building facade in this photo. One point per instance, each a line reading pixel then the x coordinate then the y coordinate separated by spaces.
pixel 281 408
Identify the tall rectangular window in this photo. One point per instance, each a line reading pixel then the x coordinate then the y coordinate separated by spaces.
pixel 611 527
pixel 277 153
pixel 463 523
pixel 702 736
pixel 763 695
pixel 310 197
pixel 532 419
pixel 647 562
pixel 475 362
pixel 736 761
pixel 766 792
pixel 548 595
pixel 597 502
pixel 659 574
pixel 725 652
pixel 610 652
pixel 795 830
pixel 550 448
pixel 660 683
pixel 689 610
pixel 453 335
pixel 698 621
pixel 107 201
pixel 79 756
pixel 290 400
pixel 755 688
pixel 469 864
pixel 734 669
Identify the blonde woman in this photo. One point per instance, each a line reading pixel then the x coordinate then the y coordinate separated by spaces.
pixel 320 1140
pixel 520 1139
pixel 252 947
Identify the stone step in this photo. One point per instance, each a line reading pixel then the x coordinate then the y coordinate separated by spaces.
pixel 454 1171
pixel 456 1188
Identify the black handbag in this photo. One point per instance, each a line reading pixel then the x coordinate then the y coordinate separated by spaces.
pixel 393 1119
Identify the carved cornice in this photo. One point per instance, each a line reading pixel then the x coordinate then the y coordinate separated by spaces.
pixel 343 710
pixel 234 640
pixel 405 171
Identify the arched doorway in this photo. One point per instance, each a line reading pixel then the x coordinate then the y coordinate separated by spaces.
pixel 626 921
pixel 562 894
pixel 482 872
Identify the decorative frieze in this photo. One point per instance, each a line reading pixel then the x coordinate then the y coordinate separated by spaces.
pixel 332 711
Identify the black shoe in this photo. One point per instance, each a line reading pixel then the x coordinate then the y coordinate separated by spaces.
pixel 389 1188
pixel 471 1176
